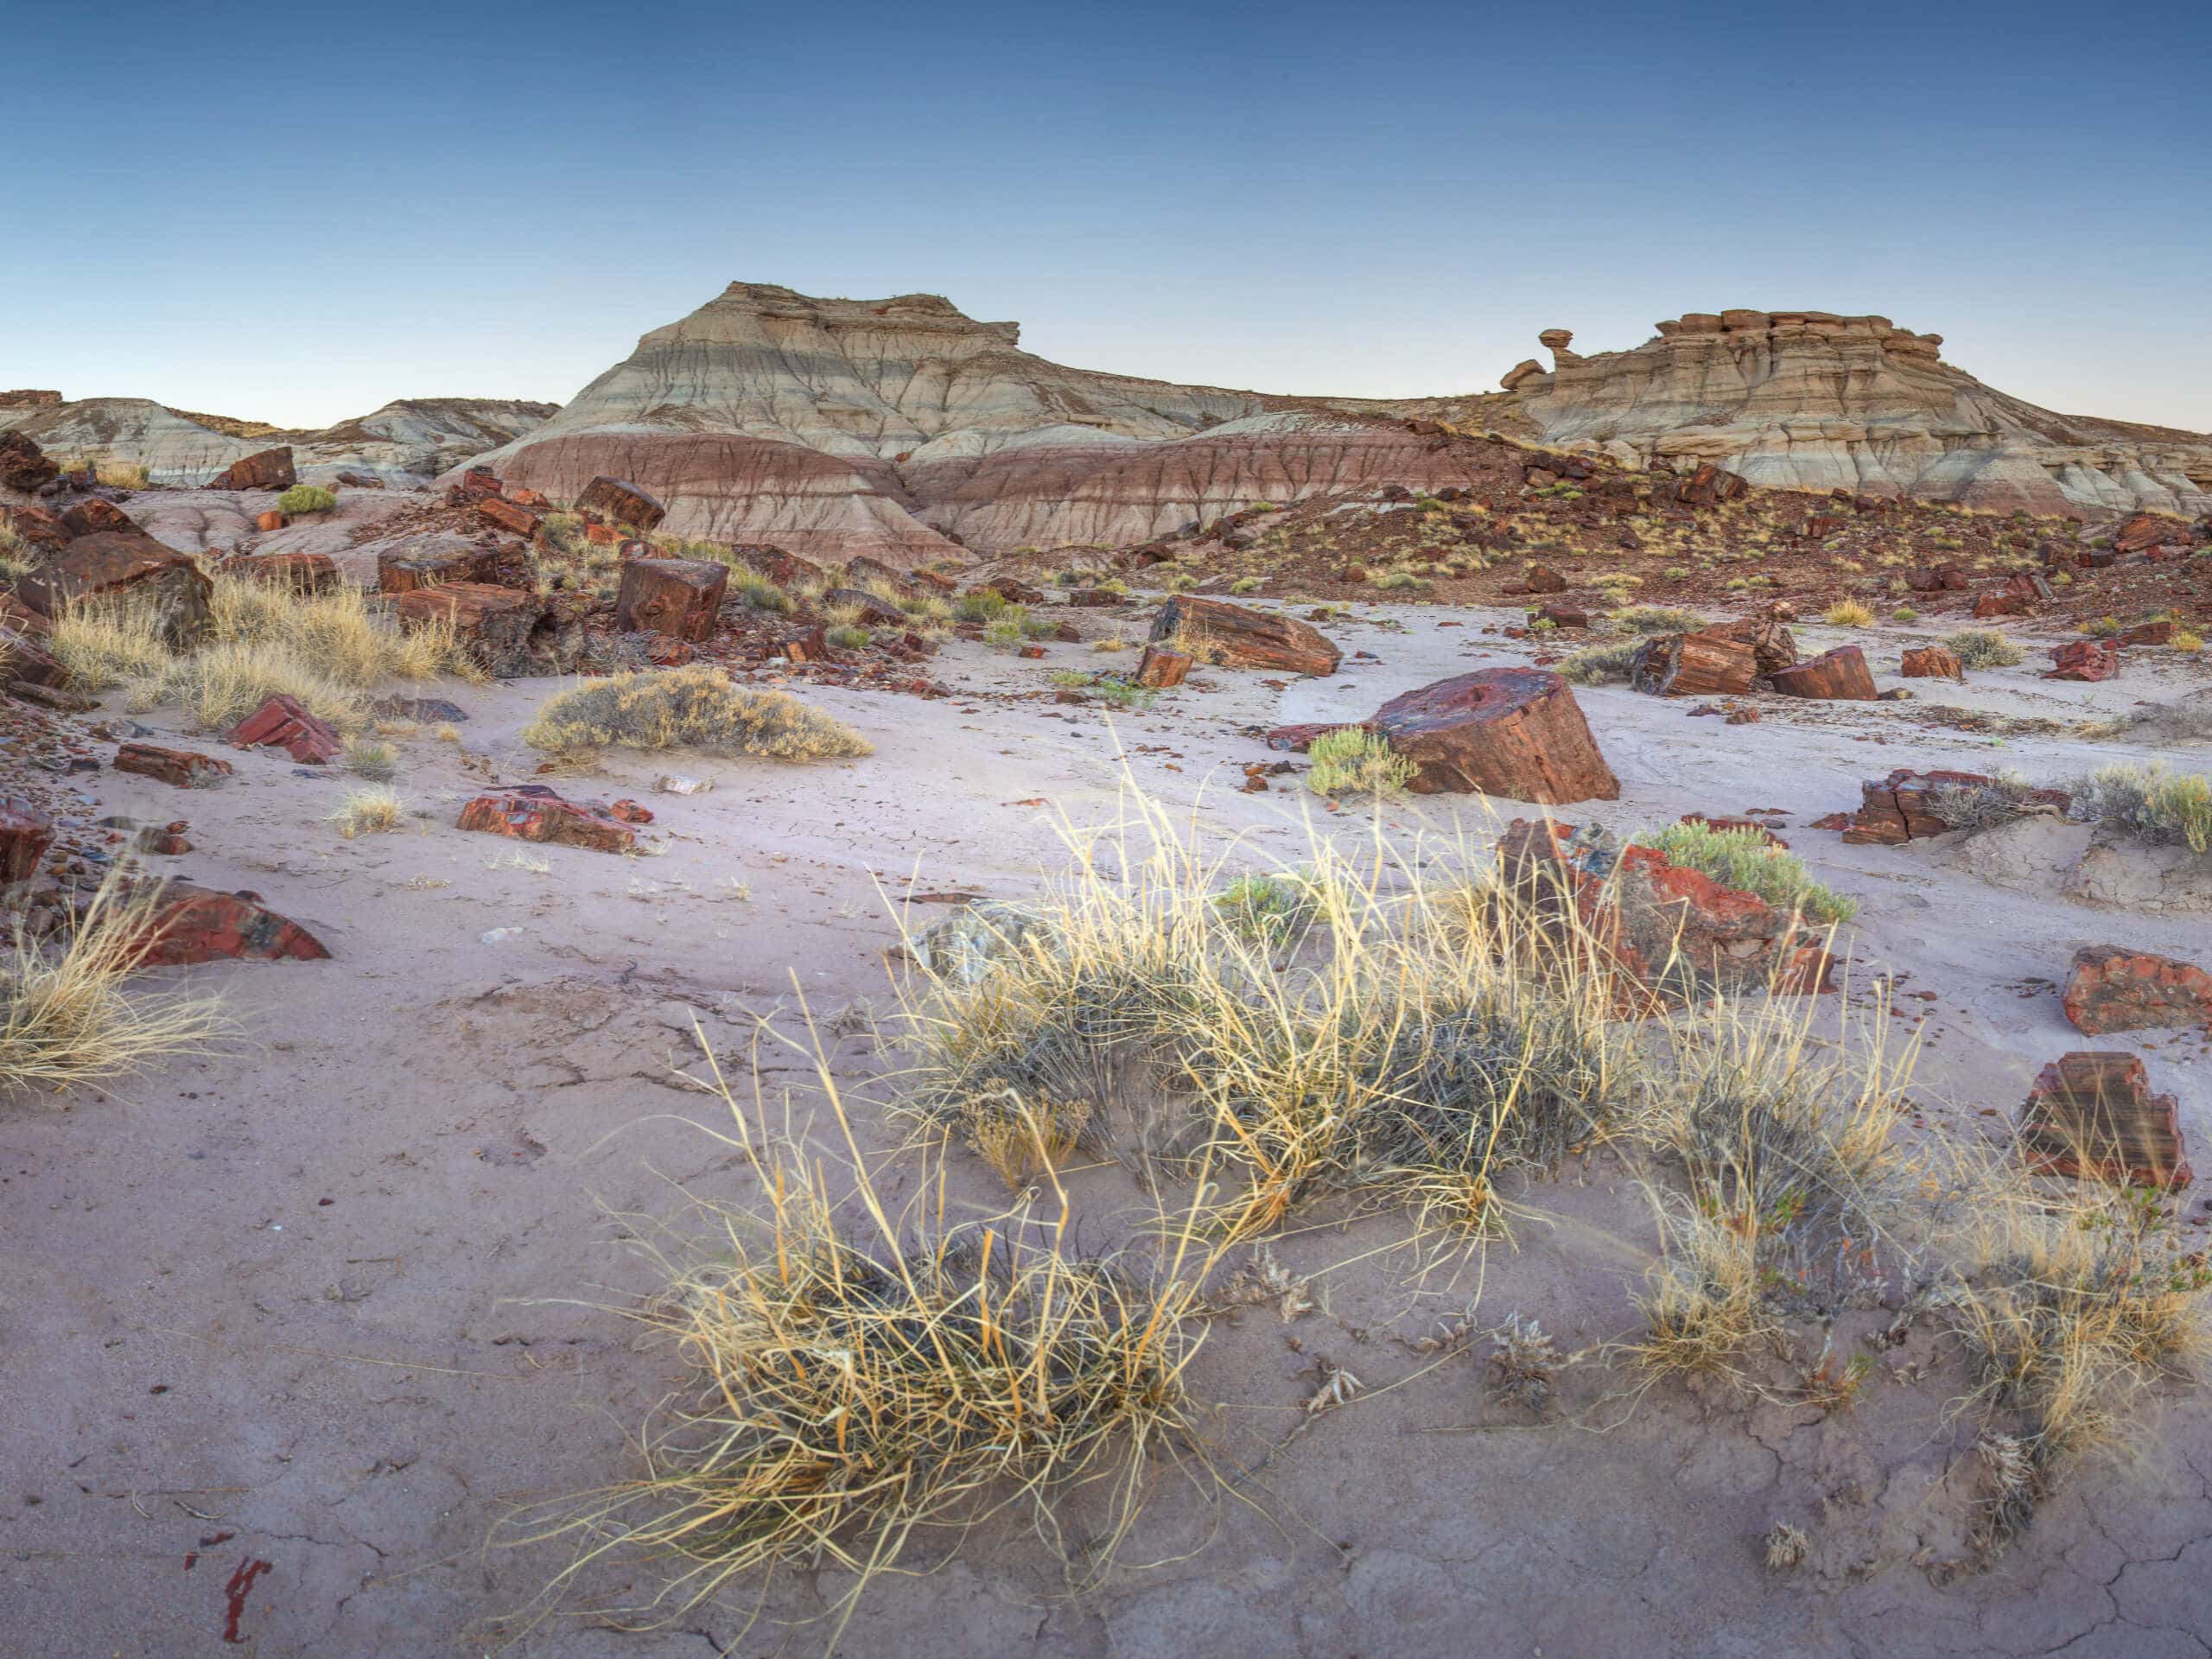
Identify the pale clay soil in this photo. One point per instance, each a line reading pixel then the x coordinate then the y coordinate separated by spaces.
pixel 327 1295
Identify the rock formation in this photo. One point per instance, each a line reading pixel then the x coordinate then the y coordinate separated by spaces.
pixel 1811 401
pixel 408 441
pixel 903 431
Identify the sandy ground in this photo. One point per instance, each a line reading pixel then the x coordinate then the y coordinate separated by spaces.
pixel 325 1301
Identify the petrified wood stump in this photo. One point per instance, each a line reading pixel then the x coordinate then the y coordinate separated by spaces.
pixel 1162 667
pixel 679 597
pixel 1512 732
pixel 1693 666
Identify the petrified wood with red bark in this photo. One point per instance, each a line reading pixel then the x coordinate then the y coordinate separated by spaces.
pixel 1516 733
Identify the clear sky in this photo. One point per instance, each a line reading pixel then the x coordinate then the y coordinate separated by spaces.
pixel 298 212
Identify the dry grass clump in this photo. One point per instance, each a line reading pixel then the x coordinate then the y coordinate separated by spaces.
pixel 64 1016
pixel 327 649
pixel 1789 1180
pixel 1357 761
pixel 1785 1546
pixel 691 707
pixel 859 1387
pixel 1984 648
pixel 1746 861
pixel 378 762
pixel 15 554
pixel 2071 1308
pixel 1390 1057
pixel 374 810
pixel 1850 614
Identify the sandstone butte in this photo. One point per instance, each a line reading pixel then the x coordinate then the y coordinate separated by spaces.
pixel 903 431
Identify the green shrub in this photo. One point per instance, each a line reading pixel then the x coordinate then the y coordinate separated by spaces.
pixel 1655 618
pixel 2152 803
pixel 1245 585
pixel 305 498
pixel 1599 664
pixel 979 605
pixel 850 637
pixel 1357 761
pixel 693 707
pixel 1984 648
pixel 1746 861
pixel 1007 631
pixel 1270 911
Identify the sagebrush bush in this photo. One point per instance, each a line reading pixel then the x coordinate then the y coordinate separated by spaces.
pixel 1600 665
pixel 691 707
pixel 1984 648
pixel 1357 761
pixel 1655 618
pixel 305 498
pixel 2151 803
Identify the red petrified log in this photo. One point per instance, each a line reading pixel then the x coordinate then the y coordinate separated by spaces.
pixel 620 503
pixel 282 723
pixel 182 767
pixel 2116 989
pixel 508 515
pixel 192 924
pixel 1933 663
pixel 25 834
pixel 533 812
pixel 1840 674
pixel 1693 666
pixel 271 470
pixel 1512 732
pixel 2082 659
pixel 1241 638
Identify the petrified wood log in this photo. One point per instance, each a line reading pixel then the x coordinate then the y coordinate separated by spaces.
pixel 1839 674
pixel 621 503
pixel 1773 646
pixel 1512 732
pixel 1242 637
pixel 2094 1114
pixel 1933 663
pixel 1693 666
pixel 2113 988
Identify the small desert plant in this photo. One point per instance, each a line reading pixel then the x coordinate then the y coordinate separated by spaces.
pixel 1245 585
pixel 980 605
pixel 1179 581
pixel 305 498
pixel 1785 1546
pixel 374 810
pixel 1974 808
pixel 2151 803
pixel 1655 618
pixel 1849 614
pixel 1597 665
pixel 695 707
pixel 2187 639
pixel 1984 648
pixel 1270 911
pixel 850 636
pixel 65 1016
pixel 1905 614
pixel 1004 632
pixel 1747 861
pixel 1354 760
pixel 15 554
pixel 757 592
pixel 376 761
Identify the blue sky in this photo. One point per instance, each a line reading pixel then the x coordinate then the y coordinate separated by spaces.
pixel 297 213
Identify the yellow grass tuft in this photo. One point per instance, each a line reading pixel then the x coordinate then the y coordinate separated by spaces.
pixel 66 1017
pixel 374 810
